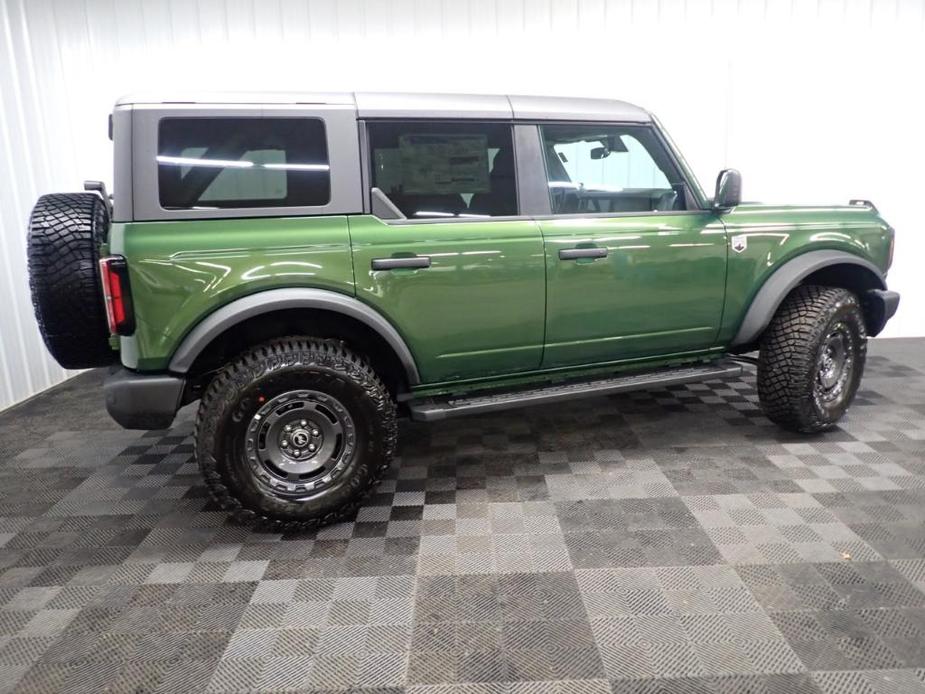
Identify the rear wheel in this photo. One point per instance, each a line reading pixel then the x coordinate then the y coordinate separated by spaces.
pixel 812 358
pixel 295 433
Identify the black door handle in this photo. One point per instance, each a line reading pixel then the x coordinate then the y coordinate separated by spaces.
pixel 576 253
pixel 414 261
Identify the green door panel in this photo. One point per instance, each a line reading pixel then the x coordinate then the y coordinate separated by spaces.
pixel 659 290
pixel 478 310
pixel 181 271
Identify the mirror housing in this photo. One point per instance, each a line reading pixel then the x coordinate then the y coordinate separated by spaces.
pixel 728 190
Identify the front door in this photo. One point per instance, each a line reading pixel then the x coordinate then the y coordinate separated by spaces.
pixel 462 275
pixel 632 269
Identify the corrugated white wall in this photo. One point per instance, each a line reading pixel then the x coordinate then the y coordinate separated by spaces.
pixel 814 100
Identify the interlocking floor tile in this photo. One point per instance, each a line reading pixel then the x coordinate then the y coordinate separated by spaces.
pixel 671 540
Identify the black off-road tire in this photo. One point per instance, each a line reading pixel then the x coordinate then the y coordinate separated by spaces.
pixel 793 353
pixel 65 233
pixel 240 484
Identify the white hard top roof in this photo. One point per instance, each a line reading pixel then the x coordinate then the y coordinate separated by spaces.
pixel 406 105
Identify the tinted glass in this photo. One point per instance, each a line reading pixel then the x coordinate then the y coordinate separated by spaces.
pixel 607 168
pixel 205 163
pixel 433 170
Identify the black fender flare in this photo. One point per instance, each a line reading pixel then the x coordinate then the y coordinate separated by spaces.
pixel 271 300
pixel 781 283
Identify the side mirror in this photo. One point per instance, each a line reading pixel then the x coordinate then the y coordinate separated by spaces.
pixel 728 190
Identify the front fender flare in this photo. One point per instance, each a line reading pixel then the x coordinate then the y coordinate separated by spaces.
pixel 271 300
pixel 781 283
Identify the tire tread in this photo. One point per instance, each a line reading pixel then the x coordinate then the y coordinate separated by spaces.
pixel 788 354
pixel 65 233
pixel 224 389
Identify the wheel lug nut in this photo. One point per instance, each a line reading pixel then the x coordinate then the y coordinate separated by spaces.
pixel 288 427
pixel 315 432
pixel 311 446
pixel 296 453
pixel 303 423
pixel 284 443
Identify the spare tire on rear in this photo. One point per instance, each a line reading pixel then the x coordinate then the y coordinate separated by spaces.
pixel 65 233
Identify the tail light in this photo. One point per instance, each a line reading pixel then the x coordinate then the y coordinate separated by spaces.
pixel 117 295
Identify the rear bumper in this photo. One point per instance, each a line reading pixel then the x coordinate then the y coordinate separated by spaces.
pixel 142 401
pixel 879 306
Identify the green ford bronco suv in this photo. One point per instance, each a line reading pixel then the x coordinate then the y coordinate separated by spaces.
pixel 311 266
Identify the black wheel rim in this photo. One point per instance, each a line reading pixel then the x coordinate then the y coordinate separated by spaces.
pixel 300 442
pixel 835 365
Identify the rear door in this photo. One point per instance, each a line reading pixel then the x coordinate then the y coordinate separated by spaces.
pixel 460 273
pixel 633 268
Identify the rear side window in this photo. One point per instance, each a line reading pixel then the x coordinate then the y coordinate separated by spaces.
pixel 215 163
pixel 439 170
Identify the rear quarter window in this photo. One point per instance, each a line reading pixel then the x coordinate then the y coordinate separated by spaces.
pixel 218 163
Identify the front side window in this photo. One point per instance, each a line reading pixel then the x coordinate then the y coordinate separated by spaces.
pixel 445 170
pixel 214 163
pixel 609 168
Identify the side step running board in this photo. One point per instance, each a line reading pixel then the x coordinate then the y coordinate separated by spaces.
pixel 430 409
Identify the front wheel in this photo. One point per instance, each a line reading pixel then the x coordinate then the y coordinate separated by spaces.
pixel 295 433
pixel 812 358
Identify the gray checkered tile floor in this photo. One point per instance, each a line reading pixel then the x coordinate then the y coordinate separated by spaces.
pixel 663 541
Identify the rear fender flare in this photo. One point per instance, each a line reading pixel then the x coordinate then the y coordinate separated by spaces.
pixel 783 280
pixel 271 300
